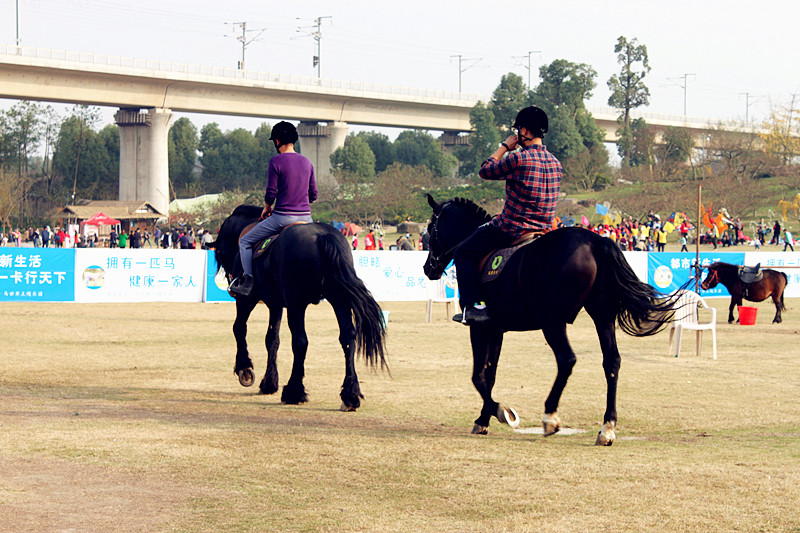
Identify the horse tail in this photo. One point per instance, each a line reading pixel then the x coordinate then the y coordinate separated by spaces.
pixel 640 309
pixel 785 283
pixel 339 276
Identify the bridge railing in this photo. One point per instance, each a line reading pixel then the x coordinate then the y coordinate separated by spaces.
pixel 227 72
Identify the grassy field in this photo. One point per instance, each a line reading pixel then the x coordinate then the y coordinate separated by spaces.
pixel 129 418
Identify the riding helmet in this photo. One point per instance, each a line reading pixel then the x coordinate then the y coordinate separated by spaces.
pixel 284 132
pixel 533 119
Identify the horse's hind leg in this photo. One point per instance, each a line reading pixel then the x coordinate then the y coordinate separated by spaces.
pixel 243 368
pixel 351 390
pixel 269 384
pixel 294 392
pixel 611 364
pixel 777 299
pixel 486 345
pixel 556 337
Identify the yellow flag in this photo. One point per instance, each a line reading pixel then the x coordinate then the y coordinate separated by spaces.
pixel 668 227
pixel 678 219
pixel 617 219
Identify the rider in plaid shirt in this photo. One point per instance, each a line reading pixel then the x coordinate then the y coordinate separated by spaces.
pixel 533 180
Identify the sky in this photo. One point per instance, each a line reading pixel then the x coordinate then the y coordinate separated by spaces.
pixel 728 59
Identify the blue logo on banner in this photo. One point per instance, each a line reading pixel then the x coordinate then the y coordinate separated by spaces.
pixel 37 275
pixel 216 283
pixel 668 271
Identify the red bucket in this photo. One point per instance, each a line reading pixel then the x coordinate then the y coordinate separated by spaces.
pixel 747 315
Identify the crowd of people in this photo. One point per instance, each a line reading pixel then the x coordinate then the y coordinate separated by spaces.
pixel 182 237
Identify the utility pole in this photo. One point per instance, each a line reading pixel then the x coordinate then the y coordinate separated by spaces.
pixel 18 41
pixel 243 39
pixel 684 86
pixel 461 69
pixel 529 63
pixel 317 35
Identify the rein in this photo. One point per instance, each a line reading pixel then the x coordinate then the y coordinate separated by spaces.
pixel 437 260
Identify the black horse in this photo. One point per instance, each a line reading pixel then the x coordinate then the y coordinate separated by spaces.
pixel 771 284
pixel 543 286
pixel 306 263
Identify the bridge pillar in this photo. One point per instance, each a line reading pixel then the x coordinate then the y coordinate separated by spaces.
pixel 143 156
pixel 318 142
pixel 452 139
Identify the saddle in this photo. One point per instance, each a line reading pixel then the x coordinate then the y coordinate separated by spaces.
pixel 261 246
pixel 492 265
pixel 750 274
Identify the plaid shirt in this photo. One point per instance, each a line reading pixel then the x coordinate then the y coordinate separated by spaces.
pixel 533 179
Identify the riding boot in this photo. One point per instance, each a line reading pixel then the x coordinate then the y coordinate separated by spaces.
pixel 241 286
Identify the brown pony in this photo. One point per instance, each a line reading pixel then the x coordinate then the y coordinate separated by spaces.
pixel 771 284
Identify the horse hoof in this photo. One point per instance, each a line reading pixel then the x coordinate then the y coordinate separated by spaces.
pixel 480 430
pixel 507 415
pixel 551 424
pixel 246 377
pixel 606 435
pixel 347 408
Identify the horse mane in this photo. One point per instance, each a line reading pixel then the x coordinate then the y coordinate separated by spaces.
pixel 472 209
pixel 247 210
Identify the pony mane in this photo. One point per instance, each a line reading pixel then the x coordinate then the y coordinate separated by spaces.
pixel 472 209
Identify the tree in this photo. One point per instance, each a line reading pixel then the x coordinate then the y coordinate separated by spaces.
pixel 22 131
pixel 266 149
pixel 508 98
pixel 415 147
pixel 381 148
pixel 230 160
pixel 182 144
pixel 781 134
pixel 483 140
pixel 355 157
pixel 628 90
pixel 674 152
pixel 397 191
pixel 563 140
pixel 82 157
pixel 12 193
pixel 566 83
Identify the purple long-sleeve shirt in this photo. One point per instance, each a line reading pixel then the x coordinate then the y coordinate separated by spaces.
pixel 291 184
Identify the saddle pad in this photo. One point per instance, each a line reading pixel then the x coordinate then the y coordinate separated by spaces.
pixel 493 264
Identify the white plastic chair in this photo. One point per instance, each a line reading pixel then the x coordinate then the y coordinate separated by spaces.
pixel 437 293
pixel 687 317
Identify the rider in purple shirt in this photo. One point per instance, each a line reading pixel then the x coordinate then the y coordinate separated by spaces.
pixel 292 187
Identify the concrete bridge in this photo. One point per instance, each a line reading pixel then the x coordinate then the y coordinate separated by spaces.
pixel 148 91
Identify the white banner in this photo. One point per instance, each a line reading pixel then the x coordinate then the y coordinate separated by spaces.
pixel 392 275
pixel 139 275
pixel 638 262
pixel 776 261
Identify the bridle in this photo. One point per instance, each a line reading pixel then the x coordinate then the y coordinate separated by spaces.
pixel 714 276
pixel 438 261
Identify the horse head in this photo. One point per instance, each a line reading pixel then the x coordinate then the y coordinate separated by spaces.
pixel 712 278
pixel 226 247
pixel 451 223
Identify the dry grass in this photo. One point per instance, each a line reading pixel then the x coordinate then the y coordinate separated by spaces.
pixel 128 418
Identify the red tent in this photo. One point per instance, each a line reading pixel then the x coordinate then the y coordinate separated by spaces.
pixel 101 218
pixel 351 229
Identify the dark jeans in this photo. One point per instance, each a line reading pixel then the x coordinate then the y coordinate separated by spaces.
pixel 468 255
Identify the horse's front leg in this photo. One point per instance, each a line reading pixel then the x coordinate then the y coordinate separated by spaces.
pixel 351 390
pixel 269 384
pixel 611 364
pixel 294 391
pixel 556 337
pixel 243 368
pixel 730 309
pixel 487 342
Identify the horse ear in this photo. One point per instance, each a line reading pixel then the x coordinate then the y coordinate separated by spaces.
pixel 436 207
